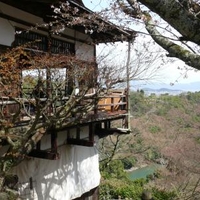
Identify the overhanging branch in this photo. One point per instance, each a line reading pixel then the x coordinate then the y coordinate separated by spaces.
pixel 172 48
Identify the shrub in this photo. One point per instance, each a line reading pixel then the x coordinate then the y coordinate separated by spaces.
pixel 154 129
pixel 113 189
pixel 112 169
pixel 163 195
pixel 128 162
pixel 152 154
pixel 162 110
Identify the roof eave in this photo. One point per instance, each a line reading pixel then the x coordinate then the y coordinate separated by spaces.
pixel 112 33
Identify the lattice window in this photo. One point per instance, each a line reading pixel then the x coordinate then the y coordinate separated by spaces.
pixel 57 46
pixel 60 46
pixel 24 37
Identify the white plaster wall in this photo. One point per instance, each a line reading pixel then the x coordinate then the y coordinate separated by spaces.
pixel 7 32
pixel 75 173
pixel 77 170
pixel 62 137
pixel 84 51
pixel 7 27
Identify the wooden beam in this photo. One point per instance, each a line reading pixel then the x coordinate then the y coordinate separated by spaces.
pixel 80 142
pixel 38 145
pixel 78 133
pixel 107 124
pixel 54 146
pixel 103 132
pixel 91 132
pixel 43 154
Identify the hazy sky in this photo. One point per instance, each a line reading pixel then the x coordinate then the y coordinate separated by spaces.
pixel 170 73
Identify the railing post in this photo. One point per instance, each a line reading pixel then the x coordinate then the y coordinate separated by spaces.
pixel 112 104
pixel 128 85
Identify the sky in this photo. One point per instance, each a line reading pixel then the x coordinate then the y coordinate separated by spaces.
pixel 170 72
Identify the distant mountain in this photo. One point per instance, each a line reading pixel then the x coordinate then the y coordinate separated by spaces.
pixel 149 91
pixel 159 87
pixel 161 90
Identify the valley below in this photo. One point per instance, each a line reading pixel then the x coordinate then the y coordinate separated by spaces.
pixel 165 132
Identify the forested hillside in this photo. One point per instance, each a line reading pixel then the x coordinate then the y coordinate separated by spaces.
pixel 165 131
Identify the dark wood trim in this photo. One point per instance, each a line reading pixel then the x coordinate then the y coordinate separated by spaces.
pixel 51 154
pixel 80 142
pixel 43 154
pixel 78 133
pixel 8 17
pixel 54 145
pixel 95 120
pixel 103 132
pixel 91 132
pixel 38 145
pixel 106 124
pixel 4 16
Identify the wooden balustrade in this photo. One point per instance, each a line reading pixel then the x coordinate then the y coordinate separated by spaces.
pixel 112 102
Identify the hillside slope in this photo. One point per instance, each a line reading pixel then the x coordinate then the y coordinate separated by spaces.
pixel 164 128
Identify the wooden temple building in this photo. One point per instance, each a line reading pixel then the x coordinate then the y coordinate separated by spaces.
pixel 64 163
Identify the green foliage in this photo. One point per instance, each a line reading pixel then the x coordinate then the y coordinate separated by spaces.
pixel 152 154
pixel 183 123
pixel 180 121
pixel 138 103
pixel 196 118
pixel 112 169
pixel 182 112
pixel 162 110
pixel 193 97
pixel 129 162
pixel 151 177
pixel 114 189
pixel 133 191
pixel 115 182
pixel 197 139
pixel 163 195
pixel 176 102
pixel 154 129
pixel 138 145
pixel 170 102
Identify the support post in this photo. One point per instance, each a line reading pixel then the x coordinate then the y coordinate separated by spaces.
pixel 128 85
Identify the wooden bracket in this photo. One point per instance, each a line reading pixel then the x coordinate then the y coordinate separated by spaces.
pixel 51 154
pixel 89 141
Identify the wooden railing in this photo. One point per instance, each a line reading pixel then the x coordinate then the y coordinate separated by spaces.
pixel 110 102
pixel 8 107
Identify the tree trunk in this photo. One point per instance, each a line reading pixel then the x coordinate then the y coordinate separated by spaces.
pixel 178 16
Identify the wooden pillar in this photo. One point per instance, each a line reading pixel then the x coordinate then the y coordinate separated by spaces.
pixel 106 124
pixel 38 145
pixel 112 104
pixel 78 133
pixel 54 145
pixel 48 71
pixel 91 132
